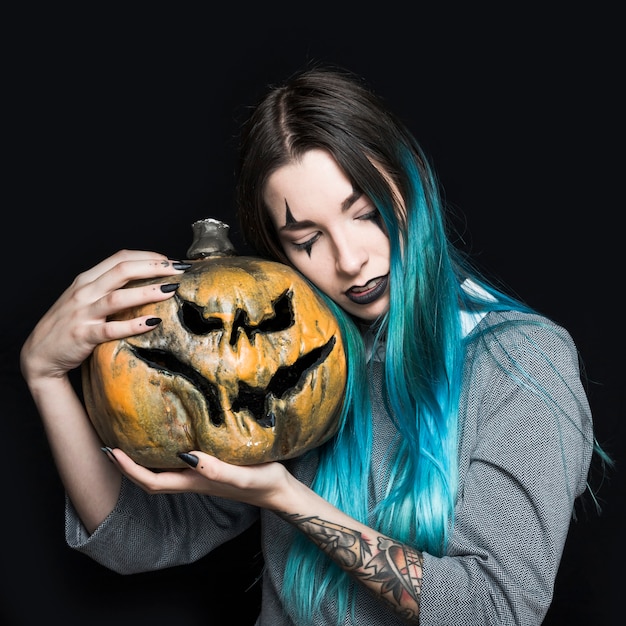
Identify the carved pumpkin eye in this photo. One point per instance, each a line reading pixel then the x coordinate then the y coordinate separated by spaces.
pixel 192 318
pixel 248 364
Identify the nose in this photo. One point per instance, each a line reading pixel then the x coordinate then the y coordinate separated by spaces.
pixel 350 256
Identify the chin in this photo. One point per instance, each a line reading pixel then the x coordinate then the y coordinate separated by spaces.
pixel 370 314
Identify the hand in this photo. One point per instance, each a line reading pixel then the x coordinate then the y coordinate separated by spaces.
pixel 262 485
pixel 77 322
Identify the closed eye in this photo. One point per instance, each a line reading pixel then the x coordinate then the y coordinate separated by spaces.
pixel 373 216
pixel 307 245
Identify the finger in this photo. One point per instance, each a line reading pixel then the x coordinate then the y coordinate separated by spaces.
pixel 252 484
pixel 125 271
pixel 211 467
pixel 174 481
pixel 120 329
pixel 239 477
pixel 126 298
pixel 121 256
pixel 109 293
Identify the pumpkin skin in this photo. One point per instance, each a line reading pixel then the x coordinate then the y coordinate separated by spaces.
pixel 247 365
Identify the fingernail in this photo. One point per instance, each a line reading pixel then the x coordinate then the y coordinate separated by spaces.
pixel 109 454
pixel 190 459
pixel 177 265
pixel 169 287
pixel 153 321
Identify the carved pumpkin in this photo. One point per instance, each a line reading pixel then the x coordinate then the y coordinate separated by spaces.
pixel 247 365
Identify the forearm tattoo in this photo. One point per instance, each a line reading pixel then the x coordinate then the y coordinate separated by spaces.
pixel 392 570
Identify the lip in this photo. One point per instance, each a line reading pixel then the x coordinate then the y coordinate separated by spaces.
pixel 367 297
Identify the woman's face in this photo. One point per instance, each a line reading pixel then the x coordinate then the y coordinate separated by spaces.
pixel 331 233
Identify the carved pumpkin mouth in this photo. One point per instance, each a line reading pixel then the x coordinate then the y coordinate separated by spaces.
pixel 287 380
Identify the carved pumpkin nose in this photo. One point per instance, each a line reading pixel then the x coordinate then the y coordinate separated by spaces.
pixel 248 365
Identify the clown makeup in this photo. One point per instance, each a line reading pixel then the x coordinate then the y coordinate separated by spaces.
pixel 331 233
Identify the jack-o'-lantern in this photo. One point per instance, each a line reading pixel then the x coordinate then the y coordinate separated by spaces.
pixel 247 365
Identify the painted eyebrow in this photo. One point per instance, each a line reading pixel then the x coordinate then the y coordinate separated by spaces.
pixel 292 224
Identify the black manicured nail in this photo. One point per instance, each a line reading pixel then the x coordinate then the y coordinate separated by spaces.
pixel 168 287
pixel 109 453
pixel 190 459
pixel 153 321
pixel 181 266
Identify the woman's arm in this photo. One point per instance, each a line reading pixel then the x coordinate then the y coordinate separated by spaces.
pixel 60 342
pixel 90 481
pixel 390 570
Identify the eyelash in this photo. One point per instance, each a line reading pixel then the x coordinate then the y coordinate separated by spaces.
pixel 373 216
pixel 307 245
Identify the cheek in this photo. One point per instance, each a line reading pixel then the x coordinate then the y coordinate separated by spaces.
pixel 378 237
pixel 318 268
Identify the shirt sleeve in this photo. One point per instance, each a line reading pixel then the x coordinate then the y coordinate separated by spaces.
pixel 524 457
pixel 148 532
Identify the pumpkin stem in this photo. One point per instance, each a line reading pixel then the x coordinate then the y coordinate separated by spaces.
pixel 210 238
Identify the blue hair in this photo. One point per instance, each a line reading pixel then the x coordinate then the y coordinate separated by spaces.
pixel 423 364
pixel 424 350
pixel 421 332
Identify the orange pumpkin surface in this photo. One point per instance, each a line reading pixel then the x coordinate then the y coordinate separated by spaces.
pixel 247 365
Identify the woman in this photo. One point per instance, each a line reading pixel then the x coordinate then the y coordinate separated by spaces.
pixel 466 436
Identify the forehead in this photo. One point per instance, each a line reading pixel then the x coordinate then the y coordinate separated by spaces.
pixel 308 184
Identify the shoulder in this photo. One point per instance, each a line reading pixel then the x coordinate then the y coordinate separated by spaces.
pixel 524 335
pixel 522 354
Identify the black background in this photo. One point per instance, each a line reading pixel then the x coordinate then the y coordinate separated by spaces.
pixel 120 132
